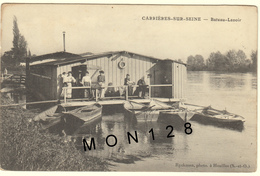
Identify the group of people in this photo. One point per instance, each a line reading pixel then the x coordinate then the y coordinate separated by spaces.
pixel 68 80
pixel 90 91
pixel 142 85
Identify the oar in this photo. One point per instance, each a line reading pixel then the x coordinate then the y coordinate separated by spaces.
pixel 209 107
pixel 195 105
pixel 201 107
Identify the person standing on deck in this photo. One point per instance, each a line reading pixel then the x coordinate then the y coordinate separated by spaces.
pixel 147 81
pixel 129 83
pixel 101 82
pixel 63 79
pixel 69 80
pixel 141 88
pixel 63 83
pixel 86 81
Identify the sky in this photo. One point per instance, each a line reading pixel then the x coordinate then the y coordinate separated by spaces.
pixel 102 28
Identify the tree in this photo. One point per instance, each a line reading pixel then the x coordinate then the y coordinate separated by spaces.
pixel 19 44
pixel 217 62
pixel 7 57
pixel 237 60
pixel 195 63
pixel 254 60
pixel 199 62
pixel 232 59
pixel 179 60
pixel 190 63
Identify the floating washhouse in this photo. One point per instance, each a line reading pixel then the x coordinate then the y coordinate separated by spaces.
pixel 44 72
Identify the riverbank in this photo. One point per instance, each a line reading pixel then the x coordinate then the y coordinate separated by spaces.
pixel 25 147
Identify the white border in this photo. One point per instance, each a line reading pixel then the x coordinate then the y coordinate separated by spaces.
pixel 165 2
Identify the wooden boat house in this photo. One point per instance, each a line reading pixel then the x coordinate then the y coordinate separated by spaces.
pixel 44 72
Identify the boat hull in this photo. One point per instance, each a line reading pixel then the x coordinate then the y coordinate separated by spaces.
pixel 88 113
pixel 144 113
pixel 205 119
pixel 147 116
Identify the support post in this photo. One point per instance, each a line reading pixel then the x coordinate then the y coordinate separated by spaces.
pixel 64 41
pixel 150 92
pixel 126 93
pixel 96 95
pixel 27 78
pixel 65 94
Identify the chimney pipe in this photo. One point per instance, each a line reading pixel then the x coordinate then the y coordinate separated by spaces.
pixel 64 41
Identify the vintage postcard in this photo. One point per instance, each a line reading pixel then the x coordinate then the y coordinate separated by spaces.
pixel 106 87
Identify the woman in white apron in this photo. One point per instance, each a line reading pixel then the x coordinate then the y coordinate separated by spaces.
pixel 69 80
pixel 86 81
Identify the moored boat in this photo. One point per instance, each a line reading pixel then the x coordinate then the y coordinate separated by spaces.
pixel 145 113
pixel 209 115
pixel 57 113
pixel 50 117
pixel 176 115
pixel 87 113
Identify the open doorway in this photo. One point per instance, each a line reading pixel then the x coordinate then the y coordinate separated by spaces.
pixel 78 72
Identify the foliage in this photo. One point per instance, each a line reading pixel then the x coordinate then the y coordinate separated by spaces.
pixel 18 70
pixel 254 60
pixel 19 49
pixel 195 63
pixel 217 62
pixel 25 147
pixel 232 61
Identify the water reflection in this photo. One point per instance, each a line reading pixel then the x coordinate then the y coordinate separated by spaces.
pixel 217 81
pixel 195 77
pixel 208 143
pixel 123 151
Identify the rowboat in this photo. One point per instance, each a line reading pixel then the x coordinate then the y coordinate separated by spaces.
pixel 209 115
pixel 176 116
pixel 50 117
pixel 87 113
pixel 145 113
pixel 57 113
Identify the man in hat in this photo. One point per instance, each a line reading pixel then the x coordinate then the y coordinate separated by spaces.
pixel 101 82
pixel 141 88
pixel 129 83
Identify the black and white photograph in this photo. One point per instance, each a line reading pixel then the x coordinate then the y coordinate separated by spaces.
pixel 128 87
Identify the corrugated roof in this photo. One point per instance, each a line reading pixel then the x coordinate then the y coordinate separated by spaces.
pixel 74 58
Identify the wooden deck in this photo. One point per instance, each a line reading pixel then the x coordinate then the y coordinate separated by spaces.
pixel 116 101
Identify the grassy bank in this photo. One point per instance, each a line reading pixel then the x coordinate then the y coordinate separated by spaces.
pixel 24 147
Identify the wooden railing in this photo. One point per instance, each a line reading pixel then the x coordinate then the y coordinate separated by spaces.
pixel 125 88
pixel 15 79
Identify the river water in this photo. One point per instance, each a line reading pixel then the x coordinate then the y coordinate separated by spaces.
pixel 207 148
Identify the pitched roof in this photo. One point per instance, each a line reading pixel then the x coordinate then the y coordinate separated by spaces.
pixel 63 58
pixel 57 55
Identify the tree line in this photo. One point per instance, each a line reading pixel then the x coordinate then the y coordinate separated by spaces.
pixel 232 61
